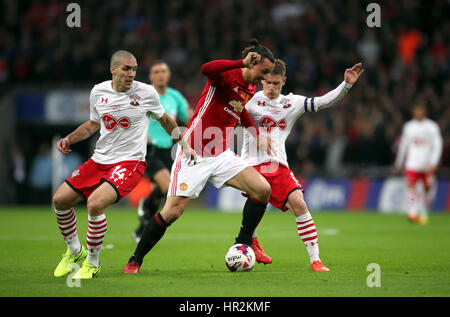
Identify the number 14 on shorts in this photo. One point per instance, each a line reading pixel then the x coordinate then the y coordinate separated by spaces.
pixel 118 173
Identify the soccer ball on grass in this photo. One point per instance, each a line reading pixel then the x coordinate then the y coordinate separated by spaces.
pixel 240 258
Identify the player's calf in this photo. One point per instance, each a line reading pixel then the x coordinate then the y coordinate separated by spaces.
pixel 306 229
pixel 251 216
pixel 174 208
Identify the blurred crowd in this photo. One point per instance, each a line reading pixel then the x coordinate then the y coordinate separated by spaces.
pixel 406 60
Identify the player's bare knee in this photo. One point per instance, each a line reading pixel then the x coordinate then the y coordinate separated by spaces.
pixel 263 193
pixel 299 207
pixel 60 202
pixel 94 206
pixel 266 192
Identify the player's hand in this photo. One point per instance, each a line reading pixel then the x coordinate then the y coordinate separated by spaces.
pixel 265 142
pixel 63 146
pixel 251 59
pixel 351 75
pixel 432 169
pixel 189 153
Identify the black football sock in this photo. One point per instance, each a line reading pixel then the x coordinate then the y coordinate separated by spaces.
pixel 251 216
pixel 153 232
pixel 152 202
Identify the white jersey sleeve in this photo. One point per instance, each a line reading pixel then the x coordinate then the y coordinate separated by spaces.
pixel 315 104
pixel 151 103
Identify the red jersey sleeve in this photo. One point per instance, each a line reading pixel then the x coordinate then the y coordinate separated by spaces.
pixel 214 69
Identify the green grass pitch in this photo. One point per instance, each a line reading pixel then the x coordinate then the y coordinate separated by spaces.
pixel 189 260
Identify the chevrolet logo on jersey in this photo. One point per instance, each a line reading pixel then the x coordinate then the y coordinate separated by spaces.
pixel 237 105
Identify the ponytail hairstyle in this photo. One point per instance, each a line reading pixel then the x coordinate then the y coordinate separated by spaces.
pixel 263 51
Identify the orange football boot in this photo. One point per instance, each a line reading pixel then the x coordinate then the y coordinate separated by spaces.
pixel 260 255
pixel 131 268
pixel 318 266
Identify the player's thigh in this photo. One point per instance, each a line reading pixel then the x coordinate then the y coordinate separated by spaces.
pixel 174 208
pixel 252 182
pixel 104 196
pixel 162 179
pixel 66 197
pixel 296 203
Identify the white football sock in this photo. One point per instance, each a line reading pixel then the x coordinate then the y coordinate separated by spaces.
pixel 307 231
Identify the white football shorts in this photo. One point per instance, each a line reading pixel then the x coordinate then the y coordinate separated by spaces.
pixel 189 180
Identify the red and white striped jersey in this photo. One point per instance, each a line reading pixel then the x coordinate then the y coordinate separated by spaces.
pixel 220 105
pixel 124 120
pixel 276 118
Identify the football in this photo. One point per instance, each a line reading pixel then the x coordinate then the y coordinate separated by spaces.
pixel 240 258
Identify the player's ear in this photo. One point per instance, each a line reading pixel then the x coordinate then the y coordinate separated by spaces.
pixel 284 81
pixel 112 69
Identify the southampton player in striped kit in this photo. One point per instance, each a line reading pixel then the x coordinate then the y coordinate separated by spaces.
pixel 231 83
pixel 275 114
pixel 120 109
pixel 419 152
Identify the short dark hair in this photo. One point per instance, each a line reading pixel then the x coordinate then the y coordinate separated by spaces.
pixel 159 62
pixel 263 51
pixel 279 68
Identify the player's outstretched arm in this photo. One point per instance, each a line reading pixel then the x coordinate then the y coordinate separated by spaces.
pixel 351 75
pixel 173 130
pixel 83 132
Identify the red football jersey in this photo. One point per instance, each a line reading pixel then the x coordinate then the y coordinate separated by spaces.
pixel 221 104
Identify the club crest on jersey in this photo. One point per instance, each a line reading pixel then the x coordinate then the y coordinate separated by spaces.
pixel 285 103
pixel 75 174
pixel 183 186
pixel 134 99
pixel 237 105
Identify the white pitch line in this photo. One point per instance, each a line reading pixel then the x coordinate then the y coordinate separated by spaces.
pixel 329 232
